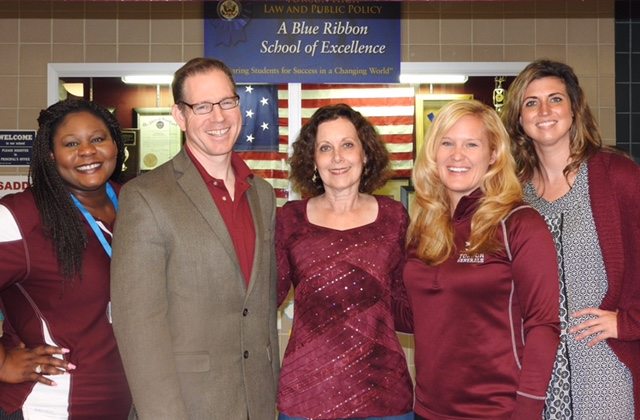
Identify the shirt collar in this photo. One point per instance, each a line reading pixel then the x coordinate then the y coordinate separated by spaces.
pixel 467 205
pixel 240 168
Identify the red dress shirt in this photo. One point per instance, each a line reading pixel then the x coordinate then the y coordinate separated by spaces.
pixel 235 212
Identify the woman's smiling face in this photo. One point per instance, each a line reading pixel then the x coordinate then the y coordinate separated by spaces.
pixel 84 152
pixel 546 114
pixel 463 157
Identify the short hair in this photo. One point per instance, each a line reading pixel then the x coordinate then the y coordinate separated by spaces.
pixel 60 218
pixel 302 161
pixel 585 139
pixel 195 66
pixel 431 229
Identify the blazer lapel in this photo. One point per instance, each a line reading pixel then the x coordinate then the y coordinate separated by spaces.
pixel 189 179
pixel 258 226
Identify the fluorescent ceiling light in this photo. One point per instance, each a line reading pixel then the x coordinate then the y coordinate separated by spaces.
pixel 433 78
pixel 148 79
pixel 75 89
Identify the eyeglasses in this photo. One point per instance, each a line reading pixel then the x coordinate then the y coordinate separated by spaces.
pixel 202 108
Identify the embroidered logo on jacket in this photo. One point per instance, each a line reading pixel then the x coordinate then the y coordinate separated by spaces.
pixel 465 258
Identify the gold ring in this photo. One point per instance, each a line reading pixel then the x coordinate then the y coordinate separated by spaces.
pixel 38 369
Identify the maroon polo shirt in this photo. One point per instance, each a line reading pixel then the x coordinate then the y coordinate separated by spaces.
pixel 236 213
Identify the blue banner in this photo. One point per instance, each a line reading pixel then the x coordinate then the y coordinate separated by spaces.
pixel 305 41
pixel 16 147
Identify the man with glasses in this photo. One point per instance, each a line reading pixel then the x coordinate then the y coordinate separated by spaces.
pixel 193 269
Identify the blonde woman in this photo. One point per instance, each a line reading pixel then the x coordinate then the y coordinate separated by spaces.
pixel 481 276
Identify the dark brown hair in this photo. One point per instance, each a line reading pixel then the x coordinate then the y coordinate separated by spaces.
pixel 60 217
pixel 302 162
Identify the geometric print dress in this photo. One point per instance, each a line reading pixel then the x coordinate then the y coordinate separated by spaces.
pixel 586 383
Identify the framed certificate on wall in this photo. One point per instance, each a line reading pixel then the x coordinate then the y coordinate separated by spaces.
pixel 160 137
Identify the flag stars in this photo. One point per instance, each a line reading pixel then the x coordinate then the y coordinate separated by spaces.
pixel 260 126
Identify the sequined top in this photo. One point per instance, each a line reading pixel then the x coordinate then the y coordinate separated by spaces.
pixel 343 359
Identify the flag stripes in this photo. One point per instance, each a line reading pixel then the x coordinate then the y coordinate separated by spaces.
pixel 390 108
pixel 264 154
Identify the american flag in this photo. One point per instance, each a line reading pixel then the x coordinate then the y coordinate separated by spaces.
pixel 263 142
pixel 390 108
pixel 260 142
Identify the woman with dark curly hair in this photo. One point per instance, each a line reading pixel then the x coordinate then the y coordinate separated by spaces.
pixel 589 196
pixel 60 358
pixel 342 249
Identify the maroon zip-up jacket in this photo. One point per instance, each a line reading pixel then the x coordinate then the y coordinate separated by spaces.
pixel 486 326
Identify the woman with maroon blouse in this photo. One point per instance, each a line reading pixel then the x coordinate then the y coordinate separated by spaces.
pixel 481 276
pixel 342 249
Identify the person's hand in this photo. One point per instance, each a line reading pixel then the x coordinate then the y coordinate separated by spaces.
pixel 23 365
pixel 603 326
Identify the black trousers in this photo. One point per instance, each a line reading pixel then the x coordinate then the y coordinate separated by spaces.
pixel 14 416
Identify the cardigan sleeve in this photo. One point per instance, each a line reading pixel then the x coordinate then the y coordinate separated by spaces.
pixel 625 180
pixel 615 198
pixel 629 307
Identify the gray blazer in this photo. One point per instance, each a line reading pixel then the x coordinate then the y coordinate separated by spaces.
pixel 196 342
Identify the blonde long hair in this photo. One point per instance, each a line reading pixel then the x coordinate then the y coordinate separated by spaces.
pixel 431 227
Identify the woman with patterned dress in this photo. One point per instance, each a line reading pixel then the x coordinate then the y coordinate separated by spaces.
pixel 342 249
pixel 481 276
pixel 589 196
pixel 59 359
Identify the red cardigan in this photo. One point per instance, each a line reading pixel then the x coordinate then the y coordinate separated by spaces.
pixel 614 186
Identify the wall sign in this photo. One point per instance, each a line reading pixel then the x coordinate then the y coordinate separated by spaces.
pixel 302 41
pixel 10 184
pixel 16 147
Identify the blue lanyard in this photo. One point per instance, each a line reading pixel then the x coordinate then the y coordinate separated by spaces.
pixel 92 222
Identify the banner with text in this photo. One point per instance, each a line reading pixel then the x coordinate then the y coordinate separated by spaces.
pixel 303 41
pixel 10 184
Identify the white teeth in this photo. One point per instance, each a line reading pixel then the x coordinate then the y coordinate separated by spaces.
pixel 546 123
pixel 88 167
pixel 217 132
pixel 458 169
